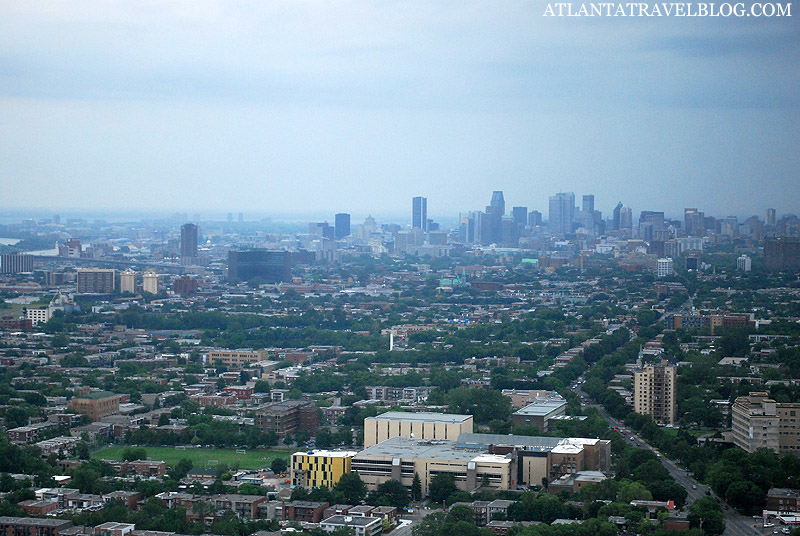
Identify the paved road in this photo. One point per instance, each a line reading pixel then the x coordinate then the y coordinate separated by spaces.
pixel 735 523
pixel 408 521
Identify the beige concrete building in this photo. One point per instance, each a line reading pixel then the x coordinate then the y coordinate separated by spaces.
pixel 399 458
pixel 150 283
pixel 415 425
pixel 654 392
pixel 127 281
pixel 760 422
pixel 238 358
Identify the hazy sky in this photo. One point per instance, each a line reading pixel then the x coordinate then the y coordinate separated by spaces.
pixel 356 106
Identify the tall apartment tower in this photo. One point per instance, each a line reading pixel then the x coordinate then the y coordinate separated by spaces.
pixel 771 216
pixel 341 225
pixel 419 213
pixel 127 281
pixel 95 280
pixel 654 392
pixel 562 212
pixel 188 240
pixel 150 283
pixel 782 253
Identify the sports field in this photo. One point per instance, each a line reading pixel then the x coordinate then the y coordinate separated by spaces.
pixel 247 459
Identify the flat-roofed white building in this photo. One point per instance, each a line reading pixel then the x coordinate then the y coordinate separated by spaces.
pixel 415 425
pixel 361 526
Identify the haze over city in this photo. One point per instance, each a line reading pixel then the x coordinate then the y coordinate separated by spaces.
pixel 310 108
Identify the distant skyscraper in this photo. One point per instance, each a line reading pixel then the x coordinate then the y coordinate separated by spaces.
pixel 419 213
pixel 321 230
pixel 492 222
pixel 468 227
pixel 520 215
pixel 188 240
pixel 342 225
pixel 617 212
pixel 230 217
pixel 562 212
pixel 535 218
pixel 694 222
pixel 626 218
pixel 770 216
pixel 588 204
pixel 498 203
pixel 587 216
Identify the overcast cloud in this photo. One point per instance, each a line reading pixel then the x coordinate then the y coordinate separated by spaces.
pixel 314 106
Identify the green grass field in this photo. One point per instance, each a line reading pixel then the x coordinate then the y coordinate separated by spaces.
pixel 250 459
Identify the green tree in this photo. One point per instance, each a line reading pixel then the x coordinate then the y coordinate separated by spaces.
pixel 351 487
pixel 706 514
pixel 390 493
pixel 324 439
pixel 442 485
pixel 633 491
pixel 181 469
pixel 416 488
pixel 279 465
pixel 130 454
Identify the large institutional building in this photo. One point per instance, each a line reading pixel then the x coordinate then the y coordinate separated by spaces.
pixel 320 468
pixel 492 461
pixel 760 422
pixel 415 425
pixel 654 392
pixel 399 458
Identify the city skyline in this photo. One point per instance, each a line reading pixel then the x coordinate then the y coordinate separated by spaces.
pixel 185 107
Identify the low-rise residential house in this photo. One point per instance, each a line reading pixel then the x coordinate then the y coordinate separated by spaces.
pixel 360 526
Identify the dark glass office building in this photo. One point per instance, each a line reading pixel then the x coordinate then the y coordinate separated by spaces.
pixel 272 266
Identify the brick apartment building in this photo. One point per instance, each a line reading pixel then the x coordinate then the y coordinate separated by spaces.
pixel 288 417
pixel 96 405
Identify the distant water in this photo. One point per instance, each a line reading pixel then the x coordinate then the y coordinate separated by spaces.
pixel 45 252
